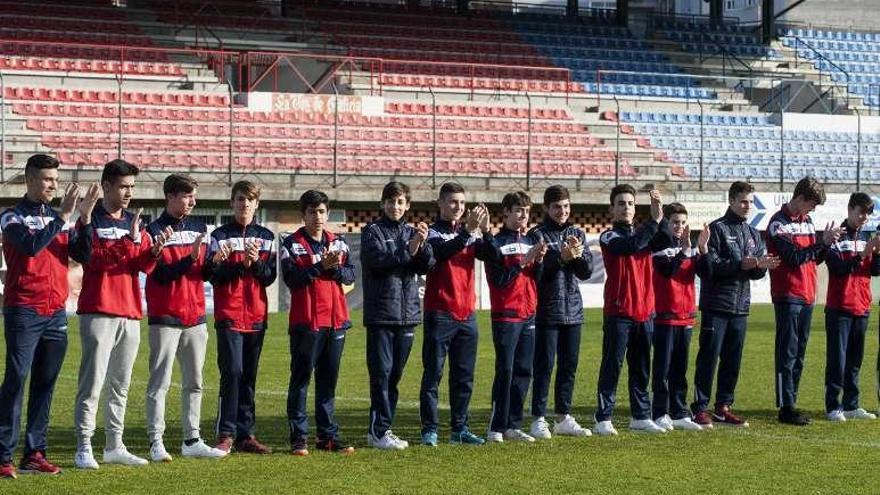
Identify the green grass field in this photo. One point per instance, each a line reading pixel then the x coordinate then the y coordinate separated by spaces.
pixel 767 457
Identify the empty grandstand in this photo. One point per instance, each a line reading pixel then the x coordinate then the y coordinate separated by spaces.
pixel 345 95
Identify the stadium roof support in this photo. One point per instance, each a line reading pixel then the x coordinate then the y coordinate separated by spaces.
pixel 768 20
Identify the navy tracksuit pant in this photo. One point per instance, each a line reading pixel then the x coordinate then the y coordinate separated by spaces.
pixel 319 351
pixel 34 344
pixel 669 374
pixel 559 344
pixel 792 333
pixel 722 337
pixel 444 336
pixel 238 357
pixel 388 349
pixel 514 354
pixel 625 338
pixel 845 349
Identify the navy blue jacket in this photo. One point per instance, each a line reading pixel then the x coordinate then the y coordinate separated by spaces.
pixel 559 295
pixel 724 285
pixel 390 275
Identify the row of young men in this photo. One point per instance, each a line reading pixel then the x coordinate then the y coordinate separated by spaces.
pixel 536 311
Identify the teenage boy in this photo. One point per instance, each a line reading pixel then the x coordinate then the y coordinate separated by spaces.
pixel 450 326
pixel 852 261
pixel 110 313
pixel 315 266
pixel 38 241
pixel 675 270
pixel 240 264
pixel 792 236
pixel 735 257
pixel 560 314
pixel 628 325
pixel 176 314
pixel 511 274
pixel 393 256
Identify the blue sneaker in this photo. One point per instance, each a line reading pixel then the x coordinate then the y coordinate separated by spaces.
pixel 429 438
pixel 465 437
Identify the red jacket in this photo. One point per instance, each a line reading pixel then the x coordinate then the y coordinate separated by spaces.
pixel 849 277
pixel 512 290
pixel 110 282
pixel 793 239
pixel 317 299
pixel 175 288
pixel 449 287
pixel 36 247
pixel 240 302
pixel 629 284
pixel 675 271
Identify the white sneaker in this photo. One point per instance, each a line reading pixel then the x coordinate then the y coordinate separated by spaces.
pixel 686 424
pixel 836 416
pixel 604 428
pixel 158 452
pixel 388 441
pixel 859 413
pixel 665 422
pixel 495 437
pixel 124 457
pixel 84 459
pixel 645 426
pixel 569 426
pixel 200 450
pixel 540 429
pixel 518 435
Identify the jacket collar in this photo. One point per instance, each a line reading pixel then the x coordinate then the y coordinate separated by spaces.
pixel 384 220
pixel 732 217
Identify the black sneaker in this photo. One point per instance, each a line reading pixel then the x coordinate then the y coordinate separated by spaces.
pixel 334 445
pixel 791 416
pixel 299 447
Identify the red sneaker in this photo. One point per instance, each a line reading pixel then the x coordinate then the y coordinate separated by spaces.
pixel 251 445
pixel 704 419
pixel 724 416
pixel 36 463
pixel 7 470
pixel 224 443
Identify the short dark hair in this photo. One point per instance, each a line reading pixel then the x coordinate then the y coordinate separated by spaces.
pixel 118 168
pixel 40 162
pixel 312 198
pixel 518 198
pixel 450 188
pixel 394 189
pixel 554 193
pixel 739 187
pixel 247 188
pixel 179 183
pixel 674 209
pixel 861 200
pixel 620 189
pixel 810 189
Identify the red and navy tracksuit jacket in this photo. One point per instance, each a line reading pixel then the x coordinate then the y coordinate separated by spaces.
pixel 627 253
pixel 175 288
pixel 512 289
pixel 849 276
pixel 675 273
pixel 793 239
pixel 240 302
pixel 36 247
pixel 450 283
pixel 110 282
pixel 317 299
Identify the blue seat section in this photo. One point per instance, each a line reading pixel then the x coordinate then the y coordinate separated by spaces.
pixel 588 48
pixel 736 146
pixel 851 57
